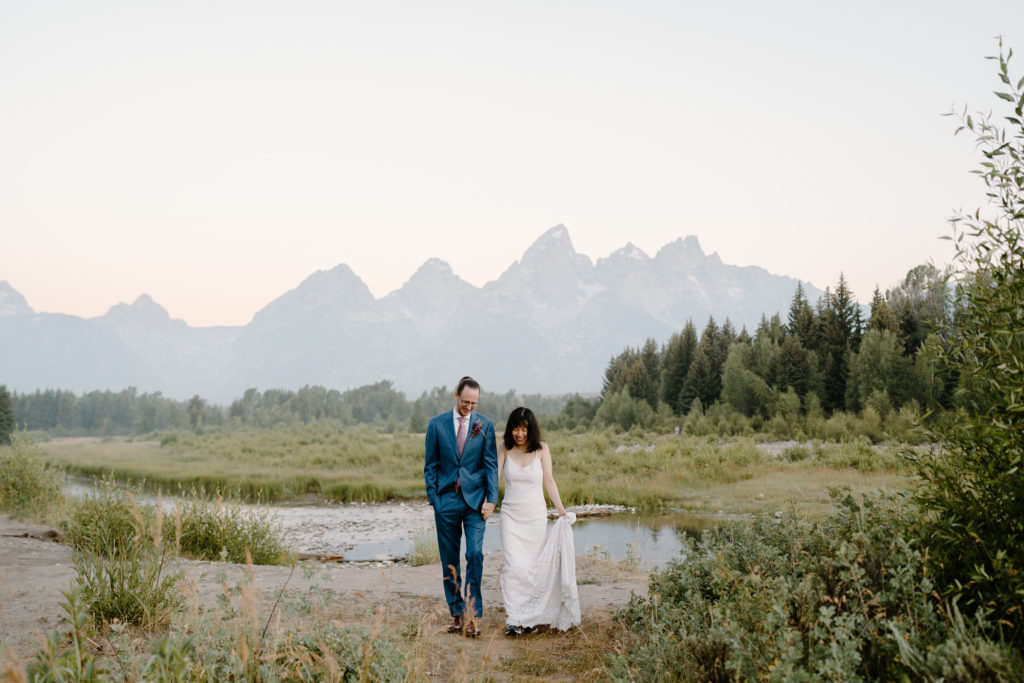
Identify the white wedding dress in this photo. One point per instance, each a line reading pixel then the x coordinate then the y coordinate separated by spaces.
pixel 538 582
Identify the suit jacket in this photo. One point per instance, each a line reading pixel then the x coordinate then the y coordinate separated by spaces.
pixel 478 466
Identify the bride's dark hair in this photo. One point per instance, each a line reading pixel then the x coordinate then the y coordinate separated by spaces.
pixel 523 416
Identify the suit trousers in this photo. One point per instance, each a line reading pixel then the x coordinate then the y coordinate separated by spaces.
pixel 452 515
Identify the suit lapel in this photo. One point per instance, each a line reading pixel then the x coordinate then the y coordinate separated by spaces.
pixel 450 431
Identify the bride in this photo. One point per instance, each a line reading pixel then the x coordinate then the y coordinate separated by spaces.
pixel 538 582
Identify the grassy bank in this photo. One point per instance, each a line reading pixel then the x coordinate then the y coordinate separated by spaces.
pixel 643 469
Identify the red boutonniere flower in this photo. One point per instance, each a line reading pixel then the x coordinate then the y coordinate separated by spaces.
pixel 476 429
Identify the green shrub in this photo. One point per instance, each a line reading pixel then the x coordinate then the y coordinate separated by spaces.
pixel 973 483
pixel 904 425
pixel 29 487
pixel 129 582
pixel 207 530
pixel 968 655
pixel 859 455
pixel 104 517
pixel 120 556
pixel 796 453
pixel 785 600
pixel 215 530
pixel 870 425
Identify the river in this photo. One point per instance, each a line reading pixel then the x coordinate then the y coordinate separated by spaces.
pixel 366 532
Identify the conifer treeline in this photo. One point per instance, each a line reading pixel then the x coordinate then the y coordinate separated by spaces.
pixel 823 357
pixel 62 412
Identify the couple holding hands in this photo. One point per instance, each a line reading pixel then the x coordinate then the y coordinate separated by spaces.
pixel 461 470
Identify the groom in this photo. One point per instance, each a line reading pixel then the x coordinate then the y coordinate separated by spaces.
pixel 461 474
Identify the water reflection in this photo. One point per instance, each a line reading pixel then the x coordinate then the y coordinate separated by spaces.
pixel 379 531
pixel 651 538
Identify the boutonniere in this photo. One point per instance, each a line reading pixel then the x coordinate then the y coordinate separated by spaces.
pixel 476 428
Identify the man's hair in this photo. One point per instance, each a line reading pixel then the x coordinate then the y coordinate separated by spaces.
pixel 467 381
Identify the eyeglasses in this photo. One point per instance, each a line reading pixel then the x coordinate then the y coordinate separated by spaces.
pixel 468 404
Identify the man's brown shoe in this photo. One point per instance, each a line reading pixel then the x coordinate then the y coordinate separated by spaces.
pixel 472 629
pixel 456 625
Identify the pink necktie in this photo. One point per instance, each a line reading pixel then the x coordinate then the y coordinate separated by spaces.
pixel 460 438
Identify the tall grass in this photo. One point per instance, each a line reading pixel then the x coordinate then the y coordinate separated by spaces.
pixel 215 530
pixel 285 462
pixel 202 529
pixel 124 573
pixel 652 470
pixel 30 487
pixel 424 549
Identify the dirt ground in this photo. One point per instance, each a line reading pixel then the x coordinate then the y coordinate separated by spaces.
pixel 401 599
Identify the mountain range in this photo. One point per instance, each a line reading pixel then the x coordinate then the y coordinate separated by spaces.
pixel 549 324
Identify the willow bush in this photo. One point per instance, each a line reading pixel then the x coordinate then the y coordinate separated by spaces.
pixel 780 599
pixel 973 484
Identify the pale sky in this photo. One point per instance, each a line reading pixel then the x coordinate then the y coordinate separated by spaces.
pixel 215 154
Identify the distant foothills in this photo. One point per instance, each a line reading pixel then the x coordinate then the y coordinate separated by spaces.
pixel 548 325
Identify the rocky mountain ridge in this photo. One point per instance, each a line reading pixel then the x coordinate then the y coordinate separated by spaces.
pixel 549 324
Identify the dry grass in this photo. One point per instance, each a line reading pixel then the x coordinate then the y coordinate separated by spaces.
pixel 419 624
pixel 804 491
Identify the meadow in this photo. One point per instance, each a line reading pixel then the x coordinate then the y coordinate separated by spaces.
pixel 732 474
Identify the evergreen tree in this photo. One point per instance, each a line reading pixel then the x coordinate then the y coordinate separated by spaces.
pixel 650 357
pixel 726 338
pixel 196 407
pixel 882 316
pixel 744 337
pixel 714 343
pixel 640 384
pixel 701 382
pixel 418 419
pixel 803 323
pixel 840 336
pixel 7 422
pixel 772 329
pixel 793 367
pixel 675 364
pixel 615 373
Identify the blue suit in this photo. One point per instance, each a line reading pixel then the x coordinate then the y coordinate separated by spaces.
pixel 457 510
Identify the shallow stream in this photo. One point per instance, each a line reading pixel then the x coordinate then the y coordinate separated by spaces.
pixel 385 531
